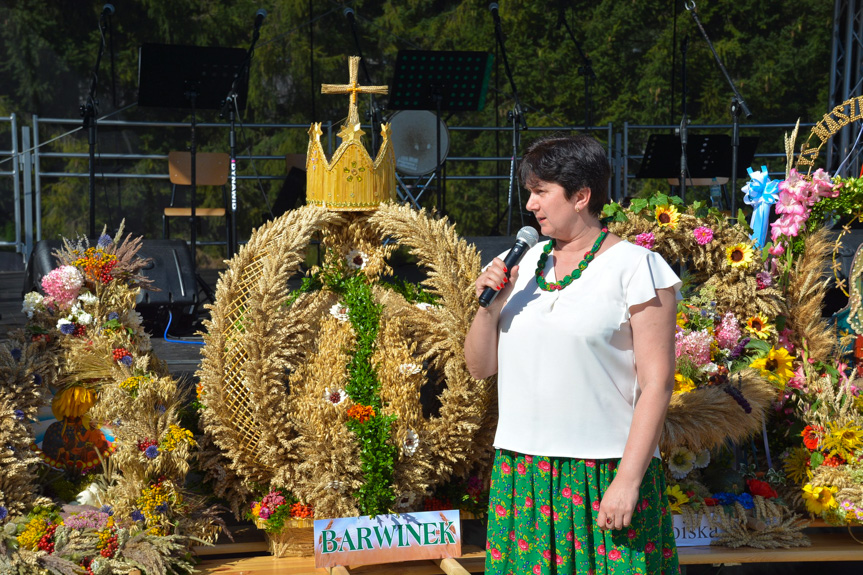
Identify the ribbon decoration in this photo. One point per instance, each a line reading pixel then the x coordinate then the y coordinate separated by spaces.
pixel 760 192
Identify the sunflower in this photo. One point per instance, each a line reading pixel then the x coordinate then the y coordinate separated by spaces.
pixel 683 384
pixel 667 216
pixel 819 499
pixel 73 401
pixel 739 255
pixel 843 441
pixel 758 326
pixel 676 497
pixel 775 366
pixel 797 465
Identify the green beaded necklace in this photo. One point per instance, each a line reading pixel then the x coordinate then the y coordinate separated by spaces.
pixel 576 273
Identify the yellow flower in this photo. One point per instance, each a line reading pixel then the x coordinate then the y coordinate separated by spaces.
pixel 843 441
pixel 819 498
pixel 676 497
pixel 73 401
pixel 775 366
pixel 682 319
pixel 176 436
pixel 797 465
pixel 683 384
pixel 667 216
pixel 758 326
pixel 739 255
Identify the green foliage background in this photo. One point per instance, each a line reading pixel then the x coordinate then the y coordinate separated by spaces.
pixel 777 51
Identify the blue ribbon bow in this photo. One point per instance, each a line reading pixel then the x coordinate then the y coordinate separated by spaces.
pixel 761 192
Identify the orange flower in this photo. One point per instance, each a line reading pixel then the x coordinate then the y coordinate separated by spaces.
pixel 301 511
pixel 361 413
pixel 811 436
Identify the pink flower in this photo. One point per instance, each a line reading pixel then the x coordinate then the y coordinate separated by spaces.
pixel 544 465
pixel 729 332
pixel 823 185
pixel 500 510
pixel 600 550
pixel 590 462
pixel 645 240
pixel 495 553
pixel 62 285
pixel 785 341
pixel 546 554
pixel 667 553
pixel 558 559
pixel 545 510
pixel 777 250
pixel 789 203
pixel 505 468
pixel 528 458
pixel 569 535
pixel 554 471
pixel 521 469
pixel 614 555
pixel 528 502
pixel 567 492
pixel 788 226
pixel 512 535
pixel 537 570
pixel 631 534
pixel 522 544
pixel 694 345
pixel 577 499
pixel 577 544
pixel 703 235
pixel 264 513
pixel 595 505
pixel 650 547
pixel 554 515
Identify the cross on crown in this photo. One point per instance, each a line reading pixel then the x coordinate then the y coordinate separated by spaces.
pixel 353 88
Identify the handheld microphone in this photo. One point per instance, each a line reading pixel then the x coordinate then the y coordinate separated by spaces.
pixel 108 10
pixel 259 18
pixel 349 14
pixel 493 9
pixel 524 240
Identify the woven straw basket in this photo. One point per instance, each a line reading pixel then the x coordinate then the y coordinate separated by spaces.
pixel 296 539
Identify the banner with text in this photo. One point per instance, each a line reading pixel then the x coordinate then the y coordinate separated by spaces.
pixel 387 538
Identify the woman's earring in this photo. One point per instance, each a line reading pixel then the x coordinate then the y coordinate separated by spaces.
pixel 577 209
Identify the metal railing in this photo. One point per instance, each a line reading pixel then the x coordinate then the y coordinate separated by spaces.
pixel 9 168
pixel 36 163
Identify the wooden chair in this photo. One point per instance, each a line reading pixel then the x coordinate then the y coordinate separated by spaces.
pixel 211 170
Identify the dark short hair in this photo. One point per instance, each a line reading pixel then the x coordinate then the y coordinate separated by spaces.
pixel 572 162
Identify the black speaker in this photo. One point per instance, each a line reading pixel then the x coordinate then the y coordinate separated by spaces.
pixel 174 290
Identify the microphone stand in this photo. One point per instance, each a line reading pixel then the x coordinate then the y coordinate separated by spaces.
pixel 684 123
pixel 89 111
pixel 229 108
pixel 586 70
pixel 516 116
pixel 738 105
pixel 376 117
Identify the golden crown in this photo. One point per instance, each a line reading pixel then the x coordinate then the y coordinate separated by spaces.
pixel 350 181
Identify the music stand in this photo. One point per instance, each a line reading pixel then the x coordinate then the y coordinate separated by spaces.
pixel 709 158
pixel 189 77
pixel 440 80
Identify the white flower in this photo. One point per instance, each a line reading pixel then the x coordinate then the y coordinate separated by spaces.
pixel 335 396
pixel 133 319
pixel 702 460
pixel 409 369
pixel 411 443
pixel 357 259
pixel 405 500
pixel 680 462
pixel 90 496
pixel 32 302
pixel 88 298
pixel 339 311
pixel 425 306
pixel 84 318
pixel 709 367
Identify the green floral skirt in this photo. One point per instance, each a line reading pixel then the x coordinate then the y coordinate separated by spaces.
pixel 542 520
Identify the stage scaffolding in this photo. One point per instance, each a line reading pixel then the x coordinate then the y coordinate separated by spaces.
pixel 26 167
pixel 846 81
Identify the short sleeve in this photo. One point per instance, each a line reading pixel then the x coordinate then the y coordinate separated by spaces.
pixel 651 273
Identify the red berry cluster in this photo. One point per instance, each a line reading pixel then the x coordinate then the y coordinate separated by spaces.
pixel 435 504
pixel 119 353
pixel 111 547
pixel 85 563
pixel 143 445
pixel 105 276
pixel 41 337
pixel 80 331
pixel 46 543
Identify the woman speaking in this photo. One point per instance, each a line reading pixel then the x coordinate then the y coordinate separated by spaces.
pixel 583 348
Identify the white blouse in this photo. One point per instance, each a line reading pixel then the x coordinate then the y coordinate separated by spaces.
pixel 567 383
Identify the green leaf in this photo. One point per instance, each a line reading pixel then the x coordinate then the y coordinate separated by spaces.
pixel 816 459
pixel 638 204
pixel 758 345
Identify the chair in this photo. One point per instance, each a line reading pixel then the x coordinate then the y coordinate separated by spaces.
pixel 211 170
